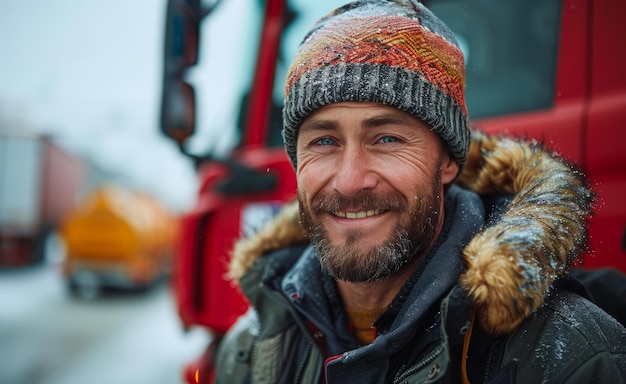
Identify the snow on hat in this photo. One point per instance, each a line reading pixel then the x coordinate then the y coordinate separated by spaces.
pixel 394 52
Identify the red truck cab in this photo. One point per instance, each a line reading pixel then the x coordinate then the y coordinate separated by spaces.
pixel 584 111
pixel 543 69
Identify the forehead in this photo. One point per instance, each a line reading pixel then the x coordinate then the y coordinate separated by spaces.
pixel 360 112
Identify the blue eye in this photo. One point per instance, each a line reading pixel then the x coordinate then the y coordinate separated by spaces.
pixel 325 141
pixel 388 139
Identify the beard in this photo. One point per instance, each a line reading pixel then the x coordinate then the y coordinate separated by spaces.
pixel 408 241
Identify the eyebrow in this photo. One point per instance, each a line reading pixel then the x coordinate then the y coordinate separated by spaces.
pixel 381 120
pixel 373 122
pixel 318 125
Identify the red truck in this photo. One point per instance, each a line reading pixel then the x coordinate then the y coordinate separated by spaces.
pixel 545 69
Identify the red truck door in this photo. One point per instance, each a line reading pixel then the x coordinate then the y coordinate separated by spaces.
pixel 549 70
pixel 605 132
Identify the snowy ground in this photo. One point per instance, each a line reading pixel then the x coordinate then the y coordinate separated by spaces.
pixel 48 337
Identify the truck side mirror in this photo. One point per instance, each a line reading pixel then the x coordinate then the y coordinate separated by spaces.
pixel 178 110
pixel 182 33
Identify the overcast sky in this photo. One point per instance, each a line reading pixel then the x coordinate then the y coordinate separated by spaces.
pixel 89 73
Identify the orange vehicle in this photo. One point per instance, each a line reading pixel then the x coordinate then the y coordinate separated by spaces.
pixel 117 238
pixel 543 69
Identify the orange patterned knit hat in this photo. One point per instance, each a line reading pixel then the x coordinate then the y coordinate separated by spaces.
pixel 394 52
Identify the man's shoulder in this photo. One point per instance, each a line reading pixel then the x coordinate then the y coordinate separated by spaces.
pixel 234 351
pixel 568 319
pixel 568 338
pixel 571 313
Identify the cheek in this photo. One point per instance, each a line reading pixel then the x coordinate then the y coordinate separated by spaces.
pixel 312 177
pixel 402 171
pixel 414 161
pixel 411 178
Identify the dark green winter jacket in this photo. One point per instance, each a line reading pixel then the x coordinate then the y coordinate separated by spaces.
pixel 491 302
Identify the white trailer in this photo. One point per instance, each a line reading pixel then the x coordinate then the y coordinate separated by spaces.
pixel 39 182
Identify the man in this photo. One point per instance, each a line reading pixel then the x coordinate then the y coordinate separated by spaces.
pixel 412 256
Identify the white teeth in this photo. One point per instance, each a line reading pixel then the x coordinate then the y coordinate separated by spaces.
pixel 357 215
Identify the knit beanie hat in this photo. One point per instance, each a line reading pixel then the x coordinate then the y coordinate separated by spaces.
pixel 394 52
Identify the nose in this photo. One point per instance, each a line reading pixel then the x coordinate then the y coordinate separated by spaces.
pixel 353 172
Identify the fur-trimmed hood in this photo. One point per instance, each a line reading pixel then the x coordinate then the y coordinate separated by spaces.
pixel 510 264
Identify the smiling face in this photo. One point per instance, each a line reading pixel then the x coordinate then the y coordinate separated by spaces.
pixel 370 186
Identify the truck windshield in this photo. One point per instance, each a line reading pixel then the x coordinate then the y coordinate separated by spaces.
pixel 510 50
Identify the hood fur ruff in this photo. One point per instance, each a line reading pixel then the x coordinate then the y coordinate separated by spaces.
pixel 510 264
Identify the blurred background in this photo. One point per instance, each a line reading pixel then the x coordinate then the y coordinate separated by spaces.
pixel 114 237
pixel 80 87
pixel 88 75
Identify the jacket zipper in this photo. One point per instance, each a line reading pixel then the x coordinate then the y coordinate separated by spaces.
pixel 302 363
pixel 432 356
pixel 491 356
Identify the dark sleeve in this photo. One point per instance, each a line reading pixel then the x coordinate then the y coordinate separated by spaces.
pixel 607 289
pixel 234 354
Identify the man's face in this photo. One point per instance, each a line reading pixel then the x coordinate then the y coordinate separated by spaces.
pixel 370 186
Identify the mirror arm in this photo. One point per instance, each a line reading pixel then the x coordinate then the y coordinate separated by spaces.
pixel 242 180
pixel 198 160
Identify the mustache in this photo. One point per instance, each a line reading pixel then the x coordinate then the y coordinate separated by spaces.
pixel 365 200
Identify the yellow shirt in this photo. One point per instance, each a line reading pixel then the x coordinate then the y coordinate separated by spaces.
pixel 362 323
